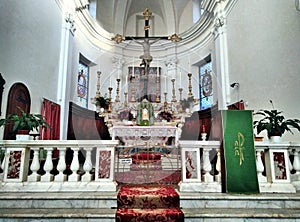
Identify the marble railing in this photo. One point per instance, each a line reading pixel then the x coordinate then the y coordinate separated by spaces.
pixel 201 166
pixel 44 165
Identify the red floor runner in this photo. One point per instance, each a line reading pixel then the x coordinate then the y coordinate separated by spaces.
pixel 147 203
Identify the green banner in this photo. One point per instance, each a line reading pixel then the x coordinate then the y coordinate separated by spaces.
pixel 239 152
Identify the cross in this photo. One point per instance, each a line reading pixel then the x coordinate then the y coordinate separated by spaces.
pixel 146 57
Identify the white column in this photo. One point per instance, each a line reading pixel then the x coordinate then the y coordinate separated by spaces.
pixel 35 165
pixel 221 49
pixel 61 166
pixel 74 165
pixel 48 166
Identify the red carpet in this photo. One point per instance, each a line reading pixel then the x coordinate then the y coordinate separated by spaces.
pixel 148 203
pixel 146 168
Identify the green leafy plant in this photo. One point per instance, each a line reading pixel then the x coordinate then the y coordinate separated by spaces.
pixel 274 122
pixel 103 102
pixel 25 121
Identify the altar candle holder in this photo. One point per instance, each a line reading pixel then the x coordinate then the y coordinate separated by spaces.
pixel 118 91
pixel 165 103
pixel 125 101
pixel 190 85
pixel 132 99
pixel 180 94
pixel 98 94
pixel 157 99
pixel 173 91
pixel 109 97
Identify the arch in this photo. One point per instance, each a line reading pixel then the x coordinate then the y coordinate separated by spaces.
pixel 18 96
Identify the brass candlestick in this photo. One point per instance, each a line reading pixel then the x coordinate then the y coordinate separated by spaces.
pixel 173 90
pixel 180 94
pixel 165 103
pixel 109 97
pixel 125 99
pixel 157 99
pixel 132 99
pixel 190 94
pixel 118 90
pixel 98 94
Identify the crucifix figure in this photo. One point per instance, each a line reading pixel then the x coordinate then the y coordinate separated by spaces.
pixel 146 43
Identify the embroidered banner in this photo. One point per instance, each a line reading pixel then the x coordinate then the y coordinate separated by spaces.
pixel 239 152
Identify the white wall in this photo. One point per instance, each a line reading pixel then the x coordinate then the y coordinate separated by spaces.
pixel 264 53
pixel 30 45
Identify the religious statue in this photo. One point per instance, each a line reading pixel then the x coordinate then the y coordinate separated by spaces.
pixel 145 114
pixel 146 57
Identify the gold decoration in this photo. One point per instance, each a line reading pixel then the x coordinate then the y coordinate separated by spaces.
pixel 239 147
pixel 147 14
pixel 118 38
pixel 174 38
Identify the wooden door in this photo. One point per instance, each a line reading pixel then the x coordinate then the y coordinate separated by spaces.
pixel 18 96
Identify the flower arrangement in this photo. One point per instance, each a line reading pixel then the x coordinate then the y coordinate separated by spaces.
pixel 125 115
pixel 165 115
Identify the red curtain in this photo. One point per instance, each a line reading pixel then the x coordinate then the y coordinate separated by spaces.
pixel 51 113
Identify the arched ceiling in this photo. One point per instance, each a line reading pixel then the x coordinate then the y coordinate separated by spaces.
pixel 114 15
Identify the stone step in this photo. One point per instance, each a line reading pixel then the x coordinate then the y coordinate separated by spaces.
pixel 190 214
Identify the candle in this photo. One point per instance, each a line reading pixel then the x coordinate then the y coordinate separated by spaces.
pixel 126 80
pixel 180 78
pixel 118 74
pixel 166 90
pixel 157 71
pixel 189 64
pixel 203 129
pixel 110 81
pixel 133 66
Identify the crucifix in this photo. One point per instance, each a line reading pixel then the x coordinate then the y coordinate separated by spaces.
pixel 146 43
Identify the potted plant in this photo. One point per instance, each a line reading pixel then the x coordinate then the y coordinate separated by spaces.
pixel 274 122
pixel 102 102
pixel 25 122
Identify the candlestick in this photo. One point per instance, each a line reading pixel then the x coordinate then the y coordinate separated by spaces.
pixel 98 94
pixel 118 90
pixel 173 90
pixel 109 97
pixel 132 99
pixel 125 99
pixel 180 94
pixel 190 94
pixel 165 103
pixel 157 99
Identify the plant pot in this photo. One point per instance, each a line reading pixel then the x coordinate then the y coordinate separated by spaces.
pixel 22 135
pixel 275 139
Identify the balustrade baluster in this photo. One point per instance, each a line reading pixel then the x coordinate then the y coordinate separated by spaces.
pixel 218 166
pixel 61 166
pixel 74 165
pixel 207 166
pixel 260 167
pixel 35 165
pixel 48 166
pixel 87 166
pixel 296 163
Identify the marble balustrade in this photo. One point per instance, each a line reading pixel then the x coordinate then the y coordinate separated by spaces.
pixel 43 165
pixel 32 166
